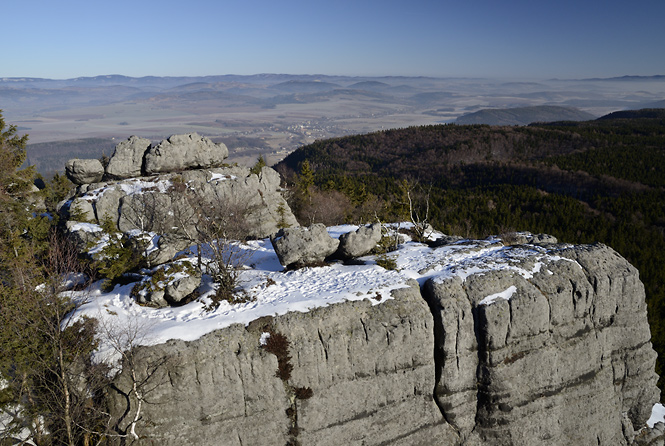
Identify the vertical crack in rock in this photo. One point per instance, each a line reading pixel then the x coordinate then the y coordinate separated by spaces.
pixel 323 344
pixel 196 374
pixel 439 353
pixel 242 389
pixel 364 329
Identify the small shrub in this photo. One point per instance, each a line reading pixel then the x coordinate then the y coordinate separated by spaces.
pixel 281 211
pixel 260 164
pixel 117 257
pixel 278 345
pixel 303 393
pixel 231 296
pixel 386 262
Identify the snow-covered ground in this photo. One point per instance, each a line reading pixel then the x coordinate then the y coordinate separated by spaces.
pixel 275 291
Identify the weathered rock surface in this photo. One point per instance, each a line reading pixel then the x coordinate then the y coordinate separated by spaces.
pixel 127 160
pixel 303 246
pixel 360 242
pixel 185 185
pixel 173 293
pixel 559 362
pixel 181 152
pixel 370 368
pixel 83 171
pixel 137 157
pixel 171 204
pixel 82 234
pixel 538 349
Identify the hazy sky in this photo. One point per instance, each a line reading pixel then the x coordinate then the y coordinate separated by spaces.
pixel 509 38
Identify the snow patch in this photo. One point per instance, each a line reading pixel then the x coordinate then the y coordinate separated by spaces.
pixel 216 177
pixel 85 227
pixel 505 295
pixel 657 415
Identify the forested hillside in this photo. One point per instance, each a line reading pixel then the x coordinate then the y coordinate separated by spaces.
pixel 583 182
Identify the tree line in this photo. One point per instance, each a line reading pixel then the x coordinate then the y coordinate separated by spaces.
pixel 583 182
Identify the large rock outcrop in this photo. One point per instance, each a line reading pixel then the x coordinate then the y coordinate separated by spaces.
pixel 181 152
pixel 369 367
pixel 510 346
pixel 560 356
pixel 187 184
pixel 172 203
pixel 137 157
pixel 127 159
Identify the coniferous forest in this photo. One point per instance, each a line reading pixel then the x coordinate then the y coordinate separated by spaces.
pixel 583 182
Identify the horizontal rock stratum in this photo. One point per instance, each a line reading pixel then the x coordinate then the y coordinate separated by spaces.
pixel 492 345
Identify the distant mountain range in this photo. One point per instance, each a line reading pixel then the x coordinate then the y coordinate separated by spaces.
pixel 524 115
pixel 274 114
pixel 658 77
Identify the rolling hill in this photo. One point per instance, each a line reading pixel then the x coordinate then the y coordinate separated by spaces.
pixel 524 115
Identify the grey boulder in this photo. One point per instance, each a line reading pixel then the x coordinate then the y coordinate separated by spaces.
pixel 84 171
pixel 182 152
pixel 303 246
pixel 83 234
pixel 180 288
pixel 81 210
pixel 127 160
pixel 360 242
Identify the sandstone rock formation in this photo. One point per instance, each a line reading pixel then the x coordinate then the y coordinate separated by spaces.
pixel 360 242
pixel 181 152
pixel 559 362
pixel 184 188
pixel 83 171
pixel 137 157
pixel 303 246
pixel 127 160
pixel 370 368
pixel 173 203
pixel 515 346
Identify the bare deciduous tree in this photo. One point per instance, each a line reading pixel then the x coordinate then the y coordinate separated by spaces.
pixel 141 376
pixel 417 201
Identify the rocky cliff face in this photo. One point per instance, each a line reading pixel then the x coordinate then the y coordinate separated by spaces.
pixel 566 359
pixel 497 345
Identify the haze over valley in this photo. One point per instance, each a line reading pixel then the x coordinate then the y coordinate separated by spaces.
pixel 272 115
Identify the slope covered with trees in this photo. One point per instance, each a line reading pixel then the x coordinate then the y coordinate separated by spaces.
pixel 583 182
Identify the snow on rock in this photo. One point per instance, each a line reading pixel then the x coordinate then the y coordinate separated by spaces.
pixel 85 227
pixel 505 295
pixel 657 415
pixel 275 291
pixel 217 177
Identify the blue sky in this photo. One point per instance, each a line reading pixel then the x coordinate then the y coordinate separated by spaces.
pixel 480 38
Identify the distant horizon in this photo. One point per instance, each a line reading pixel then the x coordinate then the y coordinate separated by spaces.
pixel 481 39
pixel 573 78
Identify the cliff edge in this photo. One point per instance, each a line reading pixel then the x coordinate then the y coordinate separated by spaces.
pixel 481 343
